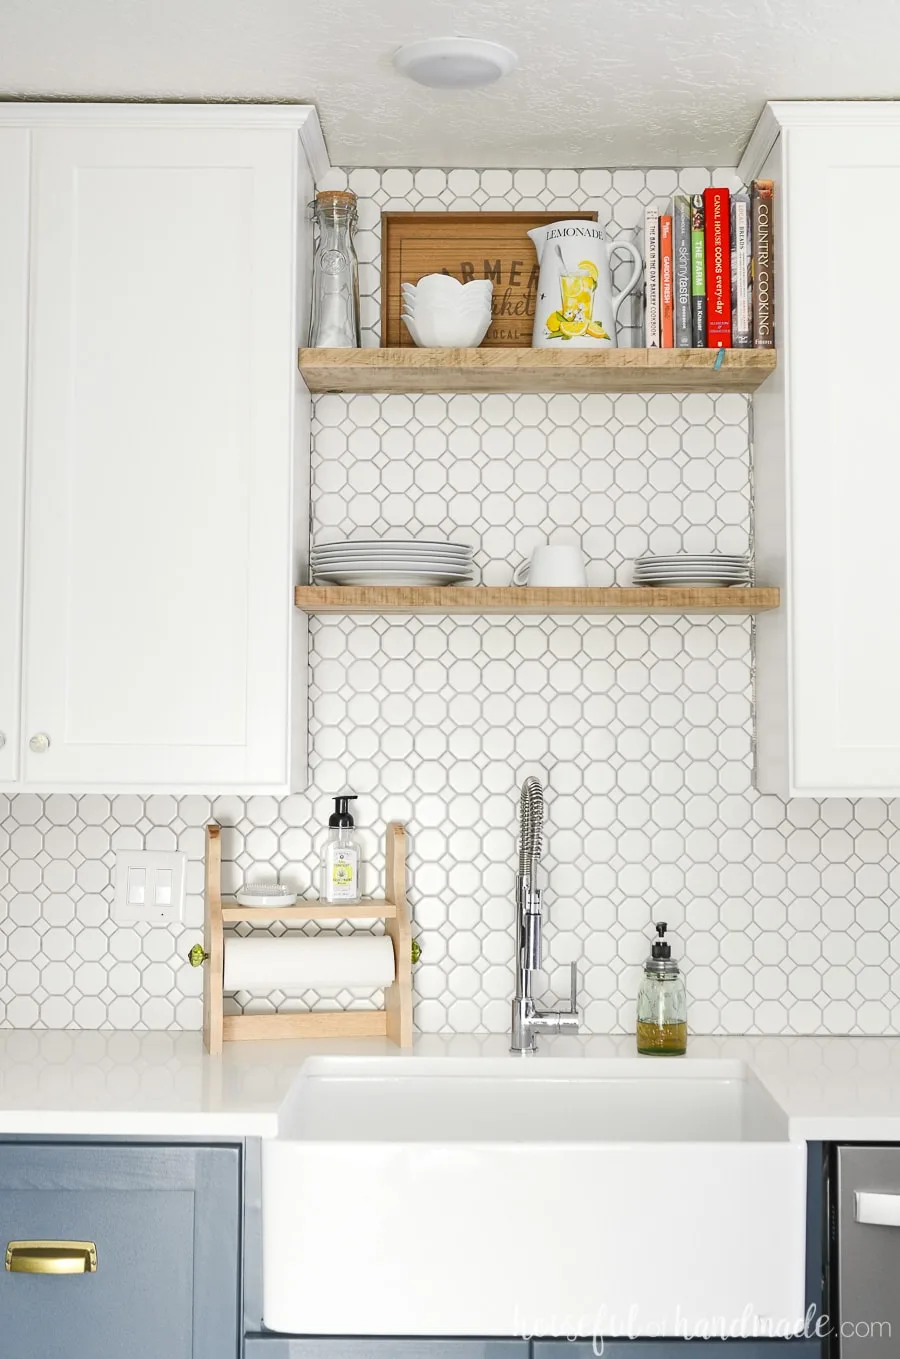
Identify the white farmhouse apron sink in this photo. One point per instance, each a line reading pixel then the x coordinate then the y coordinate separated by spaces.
pixel 502 1197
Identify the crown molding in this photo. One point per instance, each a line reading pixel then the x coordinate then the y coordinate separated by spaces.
pixel 762 139
pixel 302 118
pixel 783 115
pixel 313 142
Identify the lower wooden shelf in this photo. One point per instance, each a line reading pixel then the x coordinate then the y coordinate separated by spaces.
pixel 482 599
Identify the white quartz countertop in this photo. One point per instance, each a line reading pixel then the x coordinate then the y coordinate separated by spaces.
pixel 86 1083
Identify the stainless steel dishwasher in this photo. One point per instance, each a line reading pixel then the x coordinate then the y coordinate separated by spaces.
pixel 866 1290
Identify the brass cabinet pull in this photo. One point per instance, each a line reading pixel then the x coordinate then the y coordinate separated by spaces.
pixel 51 1257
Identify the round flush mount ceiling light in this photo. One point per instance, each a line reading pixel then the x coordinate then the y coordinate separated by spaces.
pixel 455 63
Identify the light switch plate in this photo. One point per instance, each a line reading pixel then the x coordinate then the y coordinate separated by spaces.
pixel 149 887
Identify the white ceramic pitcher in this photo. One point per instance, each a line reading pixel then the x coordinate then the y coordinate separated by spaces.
pixel 576 307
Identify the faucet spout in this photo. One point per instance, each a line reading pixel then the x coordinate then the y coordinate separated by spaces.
pixel 531 829
pixel 527 1019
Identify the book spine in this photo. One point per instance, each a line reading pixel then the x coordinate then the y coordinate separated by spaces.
pixel 666 285
pixel 763 262
pixel 718 268
pixel 741 326
pixel 681 234
pixel 698 272
pixel 651 277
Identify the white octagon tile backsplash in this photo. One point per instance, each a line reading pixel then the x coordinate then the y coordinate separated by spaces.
pixel 641 728
pixel 620 475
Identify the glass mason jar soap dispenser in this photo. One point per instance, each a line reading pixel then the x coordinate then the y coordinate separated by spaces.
pixel 341 856
pixel 662 1003
pixel 335 293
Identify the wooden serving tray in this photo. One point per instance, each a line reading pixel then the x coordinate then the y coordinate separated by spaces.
pixel 466 245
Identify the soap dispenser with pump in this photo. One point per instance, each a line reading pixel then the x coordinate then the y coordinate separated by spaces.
pixel 662 1003
pixel 341 856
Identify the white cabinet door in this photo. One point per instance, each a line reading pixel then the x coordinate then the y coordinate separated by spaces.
pixel 845 478
pixel 158 616
pixel 827 453
pixel 14 168
pixel 827 457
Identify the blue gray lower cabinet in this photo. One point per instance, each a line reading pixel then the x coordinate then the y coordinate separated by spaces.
pixel 166 1223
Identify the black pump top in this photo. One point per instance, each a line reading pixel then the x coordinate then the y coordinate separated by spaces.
pixel 660 948
pixel 341 814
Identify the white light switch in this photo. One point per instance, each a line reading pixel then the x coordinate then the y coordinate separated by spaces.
pixel 137 883
pixel 149 886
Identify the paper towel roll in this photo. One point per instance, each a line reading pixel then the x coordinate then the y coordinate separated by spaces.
pixel 297 961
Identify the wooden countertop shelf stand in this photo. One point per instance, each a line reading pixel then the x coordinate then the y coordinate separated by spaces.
pixel 394 1021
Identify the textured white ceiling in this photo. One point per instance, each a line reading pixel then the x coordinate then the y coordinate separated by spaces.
pixel 600 82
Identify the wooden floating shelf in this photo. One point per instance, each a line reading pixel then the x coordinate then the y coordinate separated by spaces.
pixel 310 910
pixel 535 370
pixel 482 599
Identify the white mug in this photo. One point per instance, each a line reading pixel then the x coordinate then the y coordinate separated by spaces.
pixel 552 564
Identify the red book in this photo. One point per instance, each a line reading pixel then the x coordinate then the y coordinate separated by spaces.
pixel 717 208
pixel 666 285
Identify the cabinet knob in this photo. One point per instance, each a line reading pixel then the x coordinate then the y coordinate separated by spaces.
pixel 39 743
pixel 2 739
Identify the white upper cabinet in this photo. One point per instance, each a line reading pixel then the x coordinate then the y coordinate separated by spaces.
pixel 167 454
pixel 827 455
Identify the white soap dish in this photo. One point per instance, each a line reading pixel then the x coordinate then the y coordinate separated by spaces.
pixel 265 894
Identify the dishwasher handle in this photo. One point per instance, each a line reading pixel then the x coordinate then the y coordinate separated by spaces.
pixel 877 1210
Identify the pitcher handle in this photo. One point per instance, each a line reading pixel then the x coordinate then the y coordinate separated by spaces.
pixel 632 250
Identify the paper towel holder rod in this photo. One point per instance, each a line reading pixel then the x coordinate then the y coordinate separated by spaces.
pixel 394 1021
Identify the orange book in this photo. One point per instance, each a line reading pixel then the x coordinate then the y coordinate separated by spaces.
pixel 666 285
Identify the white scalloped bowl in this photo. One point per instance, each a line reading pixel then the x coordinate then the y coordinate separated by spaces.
pixel 457 306
pixel 453 331
pixel 441 288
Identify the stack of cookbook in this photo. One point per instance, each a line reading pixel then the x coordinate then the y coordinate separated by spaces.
pixel 709 270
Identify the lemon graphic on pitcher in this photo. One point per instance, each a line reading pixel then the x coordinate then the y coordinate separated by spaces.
pixel 575 305
pixel 578 301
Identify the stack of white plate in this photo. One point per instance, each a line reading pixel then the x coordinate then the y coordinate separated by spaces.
pixel 384 561
pixel 692 568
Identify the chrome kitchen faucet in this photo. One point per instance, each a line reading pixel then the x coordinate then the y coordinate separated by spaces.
pixel 527 1019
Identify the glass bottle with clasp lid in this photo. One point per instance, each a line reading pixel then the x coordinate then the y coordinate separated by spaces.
pixel 334 322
